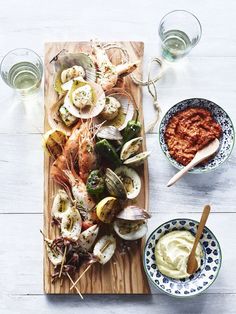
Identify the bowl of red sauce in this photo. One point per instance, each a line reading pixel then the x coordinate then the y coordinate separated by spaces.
pixel 191 125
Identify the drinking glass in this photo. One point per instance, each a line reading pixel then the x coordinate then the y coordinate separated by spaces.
pixel 22 70
pixel 179 31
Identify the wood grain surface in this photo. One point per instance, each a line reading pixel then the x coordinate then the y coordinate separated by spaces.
pixel 124 273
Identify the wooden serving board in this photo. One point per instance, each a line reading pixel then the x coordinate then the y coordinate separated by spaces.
pixel 124 273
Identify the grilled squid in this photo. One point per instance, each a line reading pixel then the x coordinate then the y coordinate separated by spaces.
pixel 71 224
pixel 104 249
pixel 60 204
pixel 54 255
pixel 88 237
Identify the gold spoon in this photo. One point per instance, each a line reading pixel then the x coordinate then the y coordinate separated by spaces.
pixel 202 154
pixel 192 264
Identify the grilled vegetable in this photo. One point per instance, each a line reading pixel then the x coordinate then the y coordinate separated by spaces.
pixel 132 129
pixel 107 152
pixel 95 184
pixel 114 185
pixel 54 141
pixel 107 209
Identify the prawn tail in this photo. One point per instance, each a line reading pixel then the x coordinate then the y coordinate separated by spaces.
pixel 72 177
pixel 65 187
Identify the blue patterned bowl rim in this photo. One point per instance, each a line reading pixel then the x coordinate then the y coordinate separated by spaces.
pixel 147 272
pixel 195 170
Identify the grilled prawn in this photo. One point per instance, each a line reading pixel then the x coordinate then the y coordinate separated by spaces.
pixel 109 73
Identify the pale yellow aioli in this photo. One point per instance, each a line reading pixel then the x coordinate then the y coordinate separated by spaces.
pixel 172 251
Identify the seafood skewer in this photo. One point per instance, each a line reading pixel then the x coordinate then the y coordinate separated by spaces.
pixel 103 251
pixel 55 261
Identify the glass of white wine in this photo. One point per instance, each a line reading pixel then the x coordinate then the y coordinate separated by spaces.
pixel 179 31
pixel 22 70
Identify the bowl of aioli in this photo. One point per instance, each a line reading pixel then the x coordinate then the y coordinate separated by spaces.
pixel 210 258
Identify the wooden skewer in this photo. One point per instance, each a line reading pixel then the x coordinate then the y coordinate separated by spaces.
pixel 75 283
pixel 63 261
pixel 87 268
pixel 105 246
pixel 42 233
pixel 71 280
pixel 61 281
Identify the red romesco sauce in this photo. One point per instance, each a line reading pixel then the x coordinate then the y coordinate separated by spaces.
pixel 189 131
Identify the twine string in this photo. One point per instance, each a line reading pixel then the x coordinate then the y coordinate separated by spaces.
pixel 153 92
pixel 150 82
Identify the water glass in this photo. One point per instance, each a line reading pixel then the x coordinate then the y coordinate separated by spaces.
pixel 22 70
pixel 179 31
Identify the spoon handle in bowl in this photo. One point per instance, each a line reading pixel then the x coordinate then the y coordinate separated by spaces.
pixel 205 214
pixel 181 173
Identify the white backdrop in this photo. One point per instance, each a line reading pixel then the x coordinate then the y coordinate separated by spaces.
pixel 208 72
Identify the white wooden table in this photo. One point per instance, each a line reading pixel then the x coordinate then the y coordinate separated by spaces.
pixel 209 72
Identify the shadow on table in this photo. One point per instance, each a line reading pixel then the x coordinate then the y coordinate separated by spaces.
pixel 132 303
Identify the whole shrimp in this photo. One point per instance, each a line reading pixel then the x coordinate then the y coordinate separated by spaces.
pixel 109 73
pixel 57 172
pixel 78 154
pixel 68 159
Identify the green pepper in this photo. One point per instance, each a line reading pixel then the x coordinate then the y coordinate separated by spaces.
pixel 108 152
pixel 95 184
pixel 132 129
